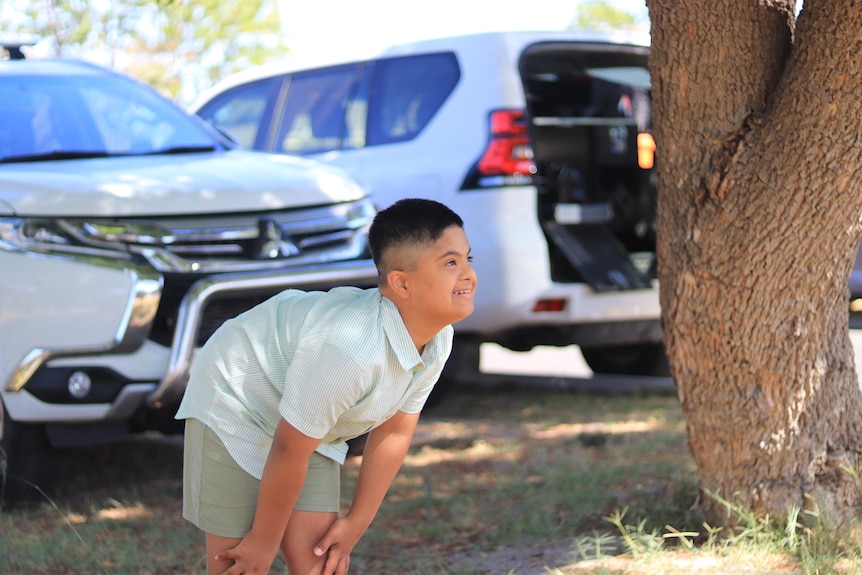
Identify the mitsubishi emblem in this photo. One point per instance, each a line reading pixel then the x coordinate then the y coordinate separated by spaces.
pixel 272 243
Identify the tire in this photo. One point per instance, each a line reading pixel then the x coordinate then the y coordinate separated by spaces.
pixel 646 359
pixel 29 465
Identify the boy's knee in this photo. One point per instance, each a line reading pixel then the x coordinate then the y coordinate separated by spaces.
pixel 304 531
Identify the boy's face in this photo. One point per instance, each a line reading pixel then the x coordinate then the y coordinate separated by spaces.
pixel 443 282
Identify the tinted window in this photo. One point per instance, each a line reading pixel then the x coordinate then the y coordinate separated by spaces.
pixel 330 109
pixel 321 113
pixel 239 112
pixel 407 93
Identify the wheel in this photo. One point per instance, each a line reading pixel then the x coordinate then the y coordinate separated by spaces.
pixel 647 359
pixel 29 465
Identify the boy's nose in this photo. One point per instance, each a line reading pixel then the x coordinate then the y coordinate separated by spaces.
pixel 471 274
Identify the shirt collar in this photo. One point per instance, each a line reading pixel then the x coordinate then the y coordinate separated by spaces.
pixel 400 340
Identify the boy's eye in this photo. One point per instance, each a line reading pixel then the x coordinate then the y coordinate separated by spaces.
pixel 469 260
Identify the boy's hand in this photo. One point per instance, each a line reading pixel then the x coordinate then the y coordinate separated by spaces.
pixel 249 557
pixel 336 546
pixel 387 445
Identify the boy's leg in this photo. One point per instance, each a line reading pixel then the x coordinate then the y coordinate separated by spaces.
pixel 315 512
pixel 217 494
pixel 216 543
pixel 304 530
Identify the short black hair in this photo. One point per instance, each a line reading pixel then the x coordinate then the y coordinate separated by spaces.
pixel 408 222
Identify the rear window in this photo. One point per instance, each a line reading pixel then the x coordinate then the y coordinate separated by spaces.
pixel 368 104
pixel 407 93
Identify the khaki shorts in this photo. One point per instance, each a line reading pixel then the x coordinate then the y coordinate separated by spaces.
pixel 220 497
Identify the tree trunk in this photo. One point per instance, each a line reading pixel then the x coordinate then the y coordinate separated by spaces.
pixel 759 209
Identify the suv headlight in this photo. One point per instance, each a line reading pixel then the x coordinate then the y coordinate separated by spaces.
pixel 53 236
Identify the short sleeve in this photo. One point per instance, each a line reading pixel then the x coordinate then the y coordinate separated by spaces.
pixel 417 399
pixel 320 384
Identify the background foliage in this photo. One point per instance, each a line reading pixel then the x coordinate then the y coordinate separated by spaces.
pixel 179 46
pixel 183 47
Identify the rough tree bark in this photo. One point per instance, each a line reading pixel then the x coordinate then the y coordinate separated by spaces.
pixel 758 120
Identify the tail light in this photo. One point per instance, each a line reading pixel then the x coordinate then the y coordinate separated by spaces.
pixel 646 150
pixel 508 158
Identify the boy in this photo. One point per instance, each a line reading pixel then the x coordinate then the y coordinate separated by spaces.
pixel 275 392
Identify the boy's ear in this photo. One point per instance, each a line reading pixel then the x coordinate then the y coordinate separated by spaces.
pixel 397 280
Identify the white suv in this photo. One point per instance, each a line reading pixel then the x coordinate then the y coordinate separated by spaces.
pixel 129 231
pixel 540 141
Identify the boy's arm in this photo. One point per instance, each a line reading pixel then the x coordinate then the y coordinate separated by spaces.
pixel 384 453
pixel 283 477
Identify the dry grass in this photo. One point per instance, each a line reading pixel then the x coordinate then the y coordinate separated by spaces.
pixel 498 481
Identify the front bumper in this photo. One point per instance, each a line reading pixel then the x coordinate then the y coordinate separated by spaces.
pixel 130 338
pixel 170 390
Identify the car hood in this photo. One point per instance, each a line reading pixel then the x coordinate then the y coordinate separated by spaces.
pixel 227 181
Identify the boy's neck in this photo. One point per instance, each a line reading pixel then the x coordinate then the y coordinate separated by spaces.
pixel 417 327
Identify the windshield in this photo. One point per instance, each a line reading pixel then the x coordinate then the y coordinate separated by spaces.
pixel 65 117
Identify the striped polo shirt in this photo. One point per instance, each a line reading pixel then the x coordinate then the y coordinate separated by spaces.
pixel 333 364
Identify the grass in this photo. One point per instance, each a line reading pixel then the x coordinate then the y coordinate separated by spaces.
pixel 520 470
pixel 498 481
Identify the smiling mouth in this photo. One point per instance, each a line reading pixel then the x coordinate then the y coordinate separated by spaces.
pixel 463 292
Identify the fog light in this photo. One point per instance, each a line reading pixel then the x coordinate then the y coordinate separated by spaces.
pixel 79 385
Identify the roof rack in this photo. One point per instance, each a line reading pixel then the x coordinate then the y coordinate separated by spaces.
pixel 13 48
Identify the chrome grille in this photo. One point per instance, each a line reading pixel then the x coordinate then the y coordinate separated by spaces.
pixel 236 242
